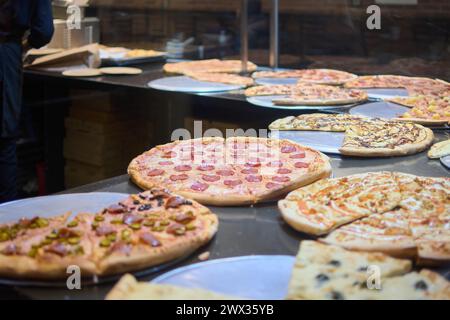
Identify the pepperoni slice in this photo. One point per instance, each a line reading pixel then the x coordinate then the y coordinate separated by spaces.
pixel 275 164
pixel 210 178
pixel 281 179
pixel 288 149
pixel 249 171
pixel 283 171
pixel 199 186
pixel 169 154
pixel 253 164
pixel 183 167
pixel 155 172
pixel 301 165
pixel 205 167
pixel 225 173
pixel 232 183
pixel 178 177
pixel 253 178
pixel 271 185
pixel 165 163
pixel 300 155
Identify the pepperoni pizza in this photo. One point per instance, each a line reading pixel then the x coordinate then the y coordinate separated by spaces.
pixel 233 171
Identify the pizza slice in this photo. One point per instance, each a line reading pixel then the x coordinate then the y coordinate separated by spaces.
pixel 330 272
pixel 210 65
pixel 128 288
pixel 386 139
pixel 439 150
pixel 389 233
pixel 327 204
pixel 423 285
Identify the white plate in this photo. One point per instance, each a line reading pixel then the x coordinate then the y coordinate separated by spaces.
pixel 186 84
pixel 248 277
pixel 328 142
pixel 266 102
pixel 446 161
pixel 378 93
pixel 379 109
pixel 276 81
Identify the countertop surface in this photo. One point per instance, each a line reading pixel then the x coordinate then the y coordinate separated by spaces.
pixel 243 231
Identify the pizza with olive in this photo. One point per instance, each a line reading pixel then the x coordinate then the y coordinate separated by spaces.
pixel 232 171
pixel 385 139
pixel 141 231
pixel 332 273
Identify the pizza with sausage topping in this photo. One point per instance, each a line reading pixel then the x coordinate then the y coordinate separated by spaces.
pixel 233 171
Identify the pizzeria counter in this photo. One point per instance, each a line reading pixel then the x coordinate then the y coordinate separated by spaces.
pixel 252 230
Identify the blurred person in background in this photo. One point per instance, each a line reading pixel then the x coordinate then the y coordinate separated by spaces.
pixel 24 24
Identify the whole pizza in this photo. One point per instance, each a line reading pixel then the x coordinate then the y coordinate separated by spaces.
pixel 316 76
pixel 232 171
pixel 414 85
pixel 141 231
pixel 399 214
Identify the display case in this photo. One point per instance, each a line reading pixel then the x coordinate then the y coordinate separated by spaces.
pixel 350 97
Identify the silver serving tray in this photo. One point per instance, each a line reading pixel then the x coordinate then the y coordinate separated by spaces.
pixel 248 277
pixel 186 84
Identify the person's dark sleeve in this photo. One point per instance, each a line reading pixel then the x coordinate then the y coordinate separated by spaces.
pixel 41 26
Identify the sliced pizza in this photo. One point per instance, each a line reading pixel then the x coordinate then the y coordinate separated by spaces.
pixel 439 150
